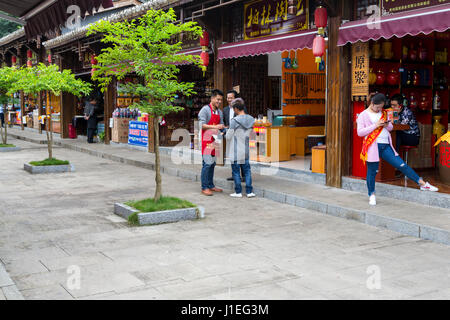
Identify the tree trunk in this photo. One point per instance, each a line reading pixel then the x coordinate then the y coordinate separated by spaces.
pixel 157 160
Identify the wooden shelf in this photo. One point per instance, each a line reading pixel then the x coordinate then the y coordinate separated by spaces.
pixel 419 63
pixel 385 60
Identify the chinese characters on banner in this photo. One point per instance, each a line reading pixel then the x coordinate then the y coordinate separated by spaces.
pixel 360 70
pixel 444 158
pixel 270 17
pixel 138 133
pixel 393 6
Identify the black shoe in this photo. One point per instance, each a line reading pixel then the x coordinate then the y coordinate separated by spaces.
pixel 230 179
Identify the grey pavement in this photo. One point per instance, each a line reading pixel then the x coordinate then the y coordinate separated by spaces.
pixel 424 215
pixel 59 239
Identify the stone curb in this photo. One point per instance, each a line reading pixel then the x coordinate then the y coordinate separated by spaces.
pixel 366 217
pixel 8 287
pixel 10 149
pixel 149 218
pixel 48 169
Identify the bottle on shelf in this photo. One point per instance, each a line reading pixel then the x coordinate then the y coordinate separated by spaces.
pixel 436 101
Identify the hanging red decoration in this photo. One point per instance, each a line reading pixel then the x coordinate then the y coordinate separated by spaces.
pixel 49 58
pixel 13 60
pixel 29 64
pixel 94 60
pixel 29 54
pixel 321 19
pixel 204 39
pixel 319 49
pixel 205 58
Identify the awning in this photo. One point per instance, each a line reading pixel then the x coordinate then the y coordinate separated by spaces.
pixel 414 22
pixel 56 15
pixel 283 42
pixel 18 8
pixel 192 52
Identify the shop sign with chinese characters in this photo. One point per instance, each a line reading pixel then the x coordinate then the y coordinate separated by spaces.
pixel 360 70
pixel 393 6
pixel 271 17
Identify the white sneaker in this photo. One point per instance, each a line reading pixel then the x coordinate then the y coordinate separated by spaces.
pixel 429 187
pixel 373 200
pixel 236 195
pixel 251 195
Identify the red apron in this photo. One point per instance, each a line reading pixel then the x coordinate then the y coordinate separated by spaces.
pixel 208 146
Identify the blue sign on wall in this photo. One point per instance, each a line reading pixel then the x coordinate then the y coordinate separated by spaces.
pixel 138 133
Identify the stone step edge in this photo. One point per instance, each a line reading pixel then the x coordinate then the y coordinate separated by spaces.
pixel 10 290
pixel 397 225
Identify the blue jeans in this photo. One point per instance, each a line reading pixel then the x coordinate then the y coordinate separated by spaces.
pixel 385 151
pixel 245 167
pixel 207 177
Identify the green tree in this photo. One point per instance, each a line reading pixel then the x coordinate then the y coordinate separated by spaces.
pixel 8 76
pixel 7 27
pixel 42 78
pixel 146 47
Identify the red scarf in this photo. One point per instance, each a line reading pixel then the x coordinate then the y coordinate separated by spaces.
pixel 371 138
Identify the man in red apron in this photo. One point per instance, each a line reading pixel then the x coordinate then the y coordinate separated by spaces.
pixel 211 121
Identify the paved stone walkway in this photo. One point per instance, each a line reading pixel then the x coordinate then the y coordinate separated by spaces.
pixel 425 215
pixel 54 227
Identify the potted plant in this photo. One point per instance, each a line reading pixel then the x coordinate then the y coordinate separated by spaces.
pixel 145 47
pixel 33 80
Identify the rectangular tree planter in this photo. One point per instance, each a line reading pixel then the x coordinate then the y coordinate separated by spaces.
pixel 9 149
pixel 48 169
pixel 158 217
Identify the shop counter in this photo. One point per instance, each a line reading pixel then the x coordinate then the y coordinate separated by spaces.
pixel 271 144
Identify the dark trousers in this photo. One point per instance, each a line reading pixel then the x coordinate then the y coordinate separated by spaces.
pixel 405 139
pixel 91 132
pixel 2 119
pixel 207 176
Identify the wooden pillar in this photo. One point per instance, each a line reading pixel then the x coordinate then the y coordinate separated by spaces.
pixel 338 107
pixel 22 108
pixel 39 97
pixel 110 94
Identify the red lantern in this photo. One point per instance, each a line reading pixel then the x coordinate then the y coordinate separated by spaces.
pixel 321 19
pixel 205 58
pixel 13 60
pixel 319 48
pixel 49 58
pixel 204 39
pixel 94 60
pixel 29 54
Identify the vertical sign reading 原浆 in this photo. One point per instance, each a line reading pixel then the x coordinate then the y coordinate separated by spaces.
pixel 271 17
pixel 360 70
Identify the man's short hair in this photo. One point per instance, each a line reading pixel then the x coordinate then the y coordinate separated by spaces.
pixel 216 92
pixel 397 97
pixel 238 104
pixel 236 95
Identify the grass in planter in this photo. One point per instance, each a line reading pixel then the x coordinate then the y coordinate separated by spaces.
pixel 49 162
pixel 149 205
pixel 165 203
pixel 7 145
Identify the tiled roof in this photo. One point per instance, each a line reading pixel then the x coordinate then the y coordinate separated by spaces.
pixel 119 16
